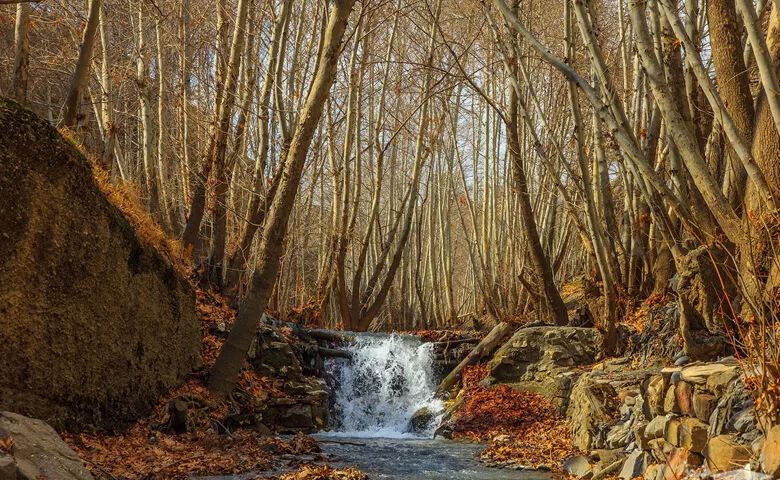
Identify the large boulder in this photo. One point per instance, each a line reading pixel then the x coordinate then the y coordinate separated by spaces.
pixel 541 359
pixel 38 452
pixel 94 322
pixel 537 351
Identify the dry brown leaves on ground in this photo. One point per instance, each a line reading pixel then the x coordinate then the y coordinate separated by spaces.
pixel 310 472
pixel 144 453
pixel 523 428
pixel 446 335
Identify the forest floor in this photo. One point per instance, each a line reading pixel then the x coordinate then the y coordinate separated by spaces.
pixel 152 449
pixel 519 428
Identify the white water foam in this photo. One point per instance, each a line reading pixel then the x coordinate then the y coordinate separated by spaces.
pixel 388 379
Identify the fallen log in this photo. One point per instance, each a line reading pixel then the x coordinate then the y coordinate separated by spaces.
pixel 334 353
pixel 456 342
pixel 330 335
pixel 483 349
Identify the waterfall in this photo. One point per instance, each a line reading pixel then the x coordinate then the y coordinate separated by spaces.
pixel 388 379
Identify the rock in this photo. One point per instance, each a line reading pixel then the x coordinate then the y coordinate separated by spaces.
pixel 718 382
pixel 678 462
pixel 656 388
pixel 536 350
pixel 670 401
pixel 555 386
pixel 655 429
pixel 672 431
pixel 743 420
pixel 292 418
pixel 639 435
pixel 619 435
pixel 7 467
pixel 421 420
pixel 683 393
pixel 273 355
pixel 771 452
pixel 682 361
pixel 703 405
pixel 723 454
pixel 693 435
pixel 39 451
pixel 660 449
pixel 262 429
pixel 606 457
pixel 655 472
pixel 698 374
pixel 579 467
pixel 591 407
pixel 85 295
pixel 634 466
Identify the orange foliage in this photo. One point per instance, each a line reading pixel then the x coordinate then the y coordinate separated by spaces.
pixel 524 428
pixel 310 472
pixel 125 196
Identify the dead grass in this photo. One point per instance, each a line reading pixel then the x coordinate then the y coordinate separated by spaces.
pixel 127 198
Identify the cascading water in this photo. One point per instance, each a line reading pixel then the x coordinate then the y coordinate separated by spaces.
pixel 388 379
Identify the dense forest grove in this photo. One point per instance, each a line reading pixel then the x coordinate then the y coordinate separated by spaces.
pixel 405 165
pixel 417 165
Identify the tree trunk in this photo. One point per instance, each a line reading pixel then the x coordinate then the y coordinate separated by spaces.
pixel 231 356
pixel 81 74
pixel 21 53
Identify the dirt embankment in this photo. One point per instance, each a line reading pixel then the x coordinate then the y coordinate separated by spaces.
pixel 94 323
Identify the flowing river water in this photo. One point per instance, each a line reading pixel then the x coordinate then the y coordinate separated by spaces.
pixel 388 379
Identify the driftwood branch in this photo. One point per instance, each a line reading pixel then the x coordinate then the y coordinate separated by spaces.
pixel 483 349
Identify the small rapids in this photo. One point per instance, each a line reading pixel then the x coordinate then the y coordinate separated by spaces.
pixel 388 379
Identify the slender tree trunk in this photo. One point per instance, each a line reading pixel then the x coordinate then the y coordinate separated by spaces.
pixel 81 74
pixel 21 53
pixel 231 356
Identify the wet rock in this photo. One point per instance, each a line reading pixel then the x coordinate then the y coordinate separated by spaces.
pixel 296 417
pixel 724 453
pixel 579 467
pixel 634 466
pixel 693 435
pixel 771 452
pixel 421 420
pixel 39 451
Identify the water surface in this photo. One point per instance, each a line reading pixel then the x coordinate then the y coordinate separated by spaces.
pixel 422 459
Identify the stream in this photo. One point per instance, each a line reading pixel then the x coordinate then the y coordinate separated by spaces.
pixel 387 380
